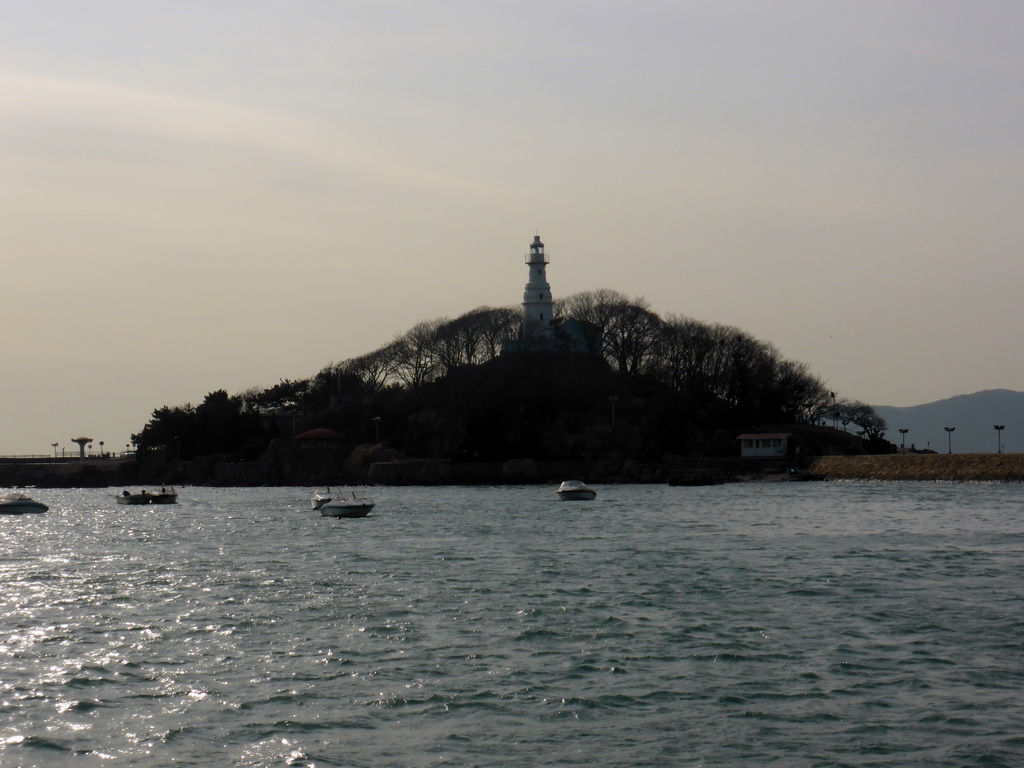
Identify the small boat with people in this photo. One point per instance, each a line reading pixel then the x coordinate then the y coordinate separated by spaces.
pixel 18 503
pixel 344 504
pixel 164 496
pixel 575 490
pixel 798 475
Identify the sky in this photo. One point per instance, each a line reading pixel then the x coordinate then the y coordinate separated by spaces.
pixel 219 195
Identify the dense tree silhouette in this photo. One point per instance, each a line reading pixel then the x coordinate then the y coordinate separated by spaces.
pixel 445 388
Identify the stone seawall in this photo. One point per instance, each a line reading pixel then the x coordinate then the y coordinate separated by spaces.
pixel 969 467
pixel 955 468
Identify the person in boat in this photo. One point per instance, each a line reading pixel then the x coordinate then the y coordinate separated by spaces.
pixel 125 493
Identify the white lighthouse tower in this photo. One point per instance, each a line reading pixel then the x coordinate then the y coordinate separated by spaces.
pixel 537 310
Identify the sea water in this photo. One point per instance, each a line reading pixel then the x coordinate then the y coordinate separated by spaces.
pixel 785 624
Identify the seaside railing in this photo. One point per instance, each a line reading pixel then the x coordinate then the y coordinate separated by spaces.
pixel 65 458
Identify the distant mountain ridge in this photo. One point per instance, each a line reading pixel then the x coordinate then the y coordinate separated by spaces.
pixel 973 416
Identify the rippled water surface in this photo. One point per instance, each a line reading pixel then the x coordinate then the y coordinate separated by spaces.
pixel 789 624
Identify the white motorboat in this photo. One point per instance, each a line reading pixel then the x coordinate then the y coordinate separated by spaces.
pixel 319 498
pixel 17 503
pixel 575 490
pixel 347 504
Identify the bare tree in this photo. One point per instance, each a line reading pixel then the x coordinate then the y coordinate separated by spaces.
pixel 416 357
pixel 375 369
pixel 750 363
pixel 624 330
pixel 448 345
pixel 595 308
pixel 631 336
pixel 250 399
pixel 684 350
pixel 862 415
pixel 497 326
pixel 723 362
pixel 804 394
pixel 475 337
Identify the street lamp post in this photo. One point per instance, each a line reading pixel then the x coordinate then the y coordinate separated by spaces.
pixel 612 400
pixel 376 426
pixel 949 437
pixel 54 446
pixel 999 436
pixel 903 438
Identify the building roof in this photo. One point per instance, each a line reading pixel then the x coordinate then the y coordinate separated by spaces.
pixel 753 435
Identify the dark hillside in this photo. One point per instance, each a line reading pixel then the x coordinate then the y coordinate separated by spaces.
pixel 481 389
pixel 549 407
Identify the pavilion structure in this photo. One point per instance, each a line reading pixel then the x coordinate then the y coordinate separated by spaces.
pixel 82 442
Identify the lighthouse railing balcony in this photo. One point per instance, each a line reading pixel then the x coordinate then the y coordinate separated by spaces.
pixel 537 258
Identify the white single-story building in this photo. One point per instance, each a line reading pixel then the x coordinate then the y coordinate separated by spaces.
pixel 765 446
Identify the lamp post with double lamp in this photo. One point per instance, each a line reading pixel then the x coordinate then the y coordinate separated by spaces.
pixel 903 439
pixel 54 446
pixel 949 437
pixel 999 436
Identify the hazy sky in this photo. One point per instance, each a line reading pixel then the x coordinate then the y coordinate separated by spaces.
pixel 207 195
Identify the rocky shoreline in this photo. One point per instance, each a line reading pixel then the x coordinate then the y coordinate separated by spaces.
pixel 933 467
pixel 368 465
